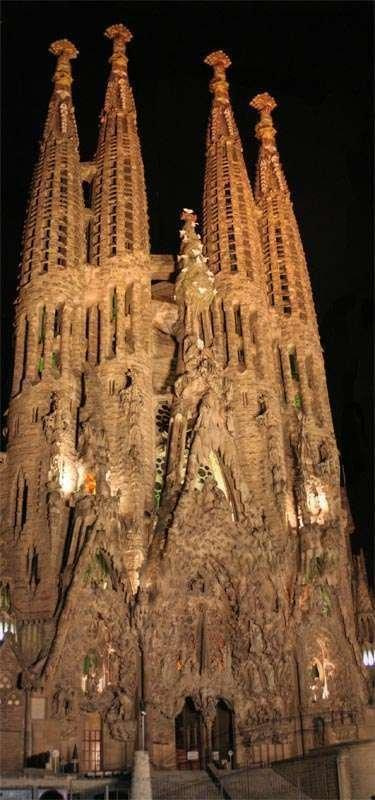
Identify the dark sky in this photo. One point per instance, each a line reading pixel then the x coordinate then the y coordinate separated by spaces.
pixel 316 59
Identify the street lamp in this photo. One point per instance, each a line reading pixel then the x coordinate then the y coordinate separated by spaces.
pixel 143 715
pixel 368 658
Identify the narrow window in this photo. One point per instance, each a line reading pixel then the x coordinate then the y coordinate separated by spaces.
pixel 281 373
pixel 42 326
pixel 20 511
pixel 293 365
pixel 114 315
pixel 24 355
pixel 57 321
pixel 24 504
pixel 56 359
pixel 225 334
pixel 237 320
pixel 201 329
pixel 128 301
pixel 98 337
pixel 41 341
pixel 241 357
pixel 87 331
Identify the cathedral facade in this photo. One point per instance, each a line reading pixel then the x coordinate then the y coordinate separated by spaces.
pixel 175 555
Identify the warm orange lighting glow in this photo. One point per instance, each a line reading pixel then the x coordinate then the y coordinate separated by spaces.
pixel 90 483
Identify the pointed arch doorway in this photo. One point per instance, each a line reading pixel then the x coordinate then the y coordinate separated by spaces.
pixel 223 734
pixel 189 737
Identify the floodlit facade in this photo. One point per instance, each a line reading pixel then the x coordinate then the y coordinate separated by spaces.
pixel 175 539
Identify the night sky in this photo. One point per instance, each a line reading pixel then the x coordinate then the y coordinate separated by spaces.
pixel 316 60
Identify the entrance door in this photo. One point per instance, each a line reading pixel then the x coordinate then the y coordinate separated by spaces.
pixel 222 734
pixel 188 728
pixel 92 743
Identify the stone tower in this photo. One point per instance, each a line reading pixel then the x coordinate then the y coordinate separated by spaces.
pixel 174 534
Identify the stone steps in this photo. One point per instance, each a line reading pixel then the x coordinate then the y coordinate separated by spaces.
pixel 254 784
pixel 259 784
pixel 183 785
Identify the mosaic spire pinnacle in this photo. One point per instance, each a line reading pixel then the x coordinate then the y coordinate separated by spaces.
pixel 220 62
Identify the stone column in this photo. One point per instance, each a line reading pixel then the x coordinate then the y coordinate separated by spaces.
pixel 141 778
pixel 343 774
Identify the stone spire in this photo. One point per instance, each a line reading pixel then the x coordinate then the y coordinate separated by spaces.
pixel 60 117
pixel 56 191
pixel 119 94
pixel 48 326
pixel 220 62
pixel 230 225
pixel 288 285
pixel 120 223
pixel 287 278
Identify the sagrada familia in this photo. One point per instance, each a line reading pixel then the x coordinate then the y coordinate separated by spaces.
pixel 175 549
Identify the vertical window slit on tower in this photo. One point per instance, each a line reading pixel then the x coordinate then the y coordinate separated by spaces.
pixel 20 516
pixel 41 341
pixel 24 353
pixel 237 320
pixel 225 333
pixel 98 337
pixel 201 328
pixel 87 331
pixel 212 321
pixel 281 373
pixel 57 321
pixel 293 365
pixel 128 300
pixel 113 321
pixel 241 356
pixel 24 504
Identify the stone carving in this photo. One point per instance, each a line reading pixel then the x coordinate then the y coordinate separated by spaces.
pixel 194 285
pixel 120 717
pixel 54 423
pixel 63 702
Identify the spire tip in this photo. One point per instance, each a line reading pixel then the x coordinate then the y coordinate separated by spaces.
pixel 63 47
pixel 218 59
pixel 118 32
pixel 263 102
